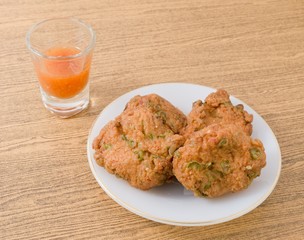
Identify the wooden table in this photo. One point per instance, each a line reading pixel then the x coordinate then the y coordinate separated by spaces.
pixel 253 49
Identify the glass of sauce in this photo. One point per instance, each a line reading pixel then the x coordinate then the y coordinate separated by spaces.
pixel 61 50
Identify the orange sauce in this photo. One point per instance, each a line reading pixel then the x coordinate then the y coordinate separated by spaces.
pixel 63 78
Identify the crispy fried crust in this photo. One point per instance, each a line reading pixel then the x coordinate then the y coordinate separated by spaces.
pixel 139 144
pixel 218 159
pixel 217 108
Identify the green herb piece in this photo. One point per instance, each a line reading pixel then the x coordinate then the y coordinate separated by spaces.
pixel 251 175
pixel 151 136
pixel 222 143
pixel 207 186
pixel 140 155
pixel 107 146
pixel 162 115
pixel 255 153
pixel 161 136
pixel 194 165
pixel 124 137
pixel 131 143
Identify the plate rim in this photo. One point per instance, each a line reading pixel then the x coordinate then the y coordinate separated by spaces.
pixel 167 221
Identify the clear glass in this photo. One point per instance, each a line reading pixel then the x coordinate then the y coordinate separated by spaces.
pixel 61 50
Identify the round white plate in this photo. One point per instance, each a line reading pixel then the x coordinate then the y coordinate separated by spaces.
pixel 171 203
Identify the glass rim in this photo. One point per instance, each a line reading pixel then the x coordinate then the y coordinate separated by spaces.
pixel 73 56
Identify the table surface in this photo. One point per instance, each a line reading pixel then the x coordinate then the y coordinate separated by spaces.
pixel 253 49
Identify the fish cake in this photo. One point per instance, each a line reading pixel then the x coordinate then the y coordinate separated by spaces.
pixel 218 159
pixel 163 109
pixel 217 108
pixel 139 144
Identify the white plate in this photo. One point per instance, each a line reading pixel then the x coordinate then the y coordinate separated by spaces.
pixel 171 203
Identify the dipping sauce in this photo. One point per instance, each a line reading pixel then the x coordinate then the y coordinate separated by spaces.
pixel 64 77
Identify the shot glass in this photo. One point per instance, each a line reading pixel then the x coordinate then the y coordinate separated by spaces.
pixel 61 50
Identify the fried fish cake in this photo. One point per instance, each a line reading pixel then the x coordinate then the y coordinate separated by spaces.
pixel 217 108
pixel 218 159
pixel 164 110
pixel 139 144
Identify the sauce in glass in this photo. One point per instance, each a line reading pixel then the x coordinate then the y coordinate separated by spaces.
pixel 66 77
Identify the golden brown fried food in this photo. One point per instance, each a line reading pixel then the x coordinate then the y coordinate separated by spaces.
pixel 164 110
pixel 139 144
pixel 217 160
pixel 217 108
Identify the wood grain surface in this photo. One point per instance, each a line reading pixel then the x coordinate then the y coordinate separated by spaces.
pixel 253 49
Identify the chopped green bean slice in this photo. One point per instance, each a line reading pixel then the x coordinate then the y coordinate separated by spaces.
pixel 251 175
pixel 255 153
pixel 107 146
pixel 124 137
pixel 131 143
pixel 207 186
pixel 140 155
pixel 151 136
pixel 162 115
pixel 194 165
pixel 161 136
pixel 223 142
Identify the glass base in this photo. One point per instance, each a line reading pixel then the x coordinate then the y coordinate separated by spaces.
pixel 66 108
